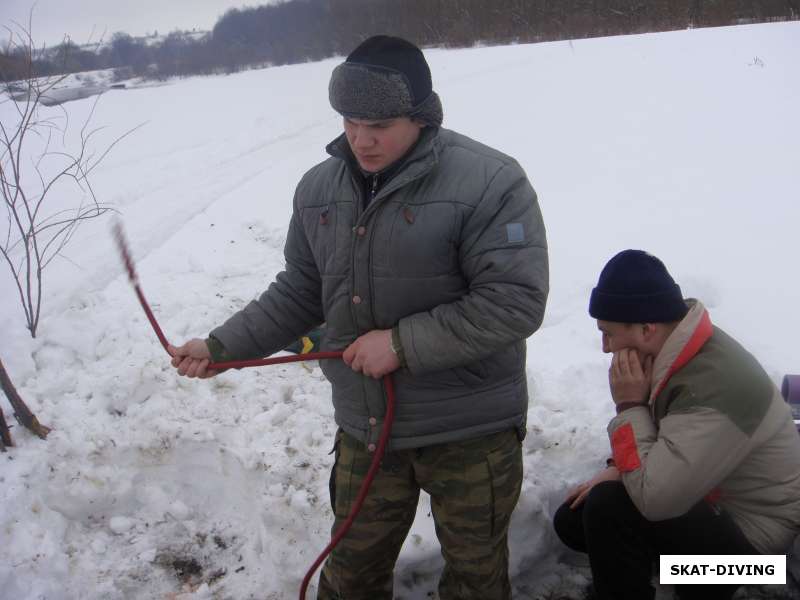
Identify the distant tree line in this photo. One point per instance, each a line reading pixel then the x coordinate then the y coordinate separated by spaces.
pixel 313 29
pixel 306 30
pixel 176 54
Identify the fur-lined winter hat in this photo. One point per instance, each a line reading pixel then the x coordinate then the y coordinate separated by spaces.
pixel 635 287
pixel 385 77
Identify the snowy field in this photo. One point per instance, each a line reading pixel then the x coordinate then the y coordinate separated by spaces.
pixel 685 144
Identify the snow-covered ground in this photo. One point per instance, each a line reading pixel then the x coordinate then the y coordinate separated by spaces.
pixel 686 144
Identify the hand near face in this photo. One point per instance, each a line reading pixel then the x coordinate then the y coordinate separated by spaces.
pixel 372 355
pixel 628 378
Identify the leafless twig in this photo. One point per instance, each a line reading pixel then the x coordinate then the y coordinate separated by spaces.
pixel 21 411
pixel 33 173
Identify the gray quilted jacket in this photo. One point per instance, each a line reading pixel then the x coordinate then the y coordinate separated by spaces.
pixel 451 251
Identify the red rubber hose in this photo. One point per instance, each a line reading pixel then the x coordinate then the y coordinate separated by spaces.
pixel 362 493
pixel 388 385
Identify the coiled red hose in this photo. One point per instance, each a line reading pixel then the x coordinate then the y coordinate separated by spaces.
pixel 388 385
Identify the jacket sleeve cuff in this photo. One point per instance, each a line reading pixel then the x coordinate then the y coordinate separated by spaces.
pixel 217 350
pixel 397 346
pixel 622 406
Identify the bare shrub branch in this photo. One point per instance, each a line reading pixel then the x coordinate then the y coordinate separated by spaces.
pixel 21 411
pixel 35 173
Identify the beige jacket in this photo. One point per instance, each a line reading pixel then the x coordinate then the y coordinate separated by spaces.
pixel 716 428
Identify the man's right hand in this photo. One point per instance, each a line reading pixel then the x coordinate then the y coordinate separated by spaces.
pixel 192 358
pixel 630 377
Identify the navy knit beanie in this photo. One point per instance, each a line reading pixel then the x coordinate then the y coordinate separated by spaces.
pixel 635 287
pixel 383 78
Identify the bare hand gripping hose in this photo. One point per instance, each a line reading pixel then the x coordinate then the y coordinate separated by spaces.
pixel 240 364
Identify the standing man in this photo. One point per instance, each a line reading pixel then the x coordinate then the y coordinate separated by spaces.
pixel 424 253
pixel 706 455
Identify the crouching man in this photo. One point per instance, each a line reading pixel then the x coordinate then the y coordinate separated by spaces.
pixel 706 458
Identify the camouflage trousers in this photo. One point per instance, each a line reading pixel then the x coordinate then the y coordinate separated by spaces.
pixel 474 486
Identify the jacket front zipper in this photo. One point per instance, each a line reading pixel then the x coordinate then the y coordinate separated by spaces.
pixel 374 191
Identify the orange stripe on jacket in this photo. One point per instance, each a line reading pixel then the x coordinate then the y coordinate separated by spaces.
pixel 699 337
pixel 623 445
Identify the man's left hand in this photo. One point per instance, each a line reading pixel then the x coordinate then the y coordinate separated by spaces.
pixel 372 355
pixel 579 493
pixel 628 379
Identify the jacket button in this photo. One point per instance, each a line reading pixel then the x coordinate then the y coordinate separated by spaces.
pixel 371 447
pixel 373 421
pixel 361 230
pixel 356 299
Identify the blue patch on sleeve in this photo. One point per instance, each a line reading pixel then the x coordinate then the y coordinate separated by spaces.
pixel 515 233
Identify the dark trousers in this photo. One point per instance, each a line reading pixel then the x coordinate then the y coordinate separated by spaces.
pixel 622 544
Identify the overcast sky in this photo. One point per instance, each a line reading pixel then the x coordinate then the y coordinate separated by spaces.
pixel 88 20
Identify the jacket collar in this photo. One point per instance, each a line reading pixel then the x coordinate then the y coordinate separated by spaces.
pixel 421 158
pixel 681 346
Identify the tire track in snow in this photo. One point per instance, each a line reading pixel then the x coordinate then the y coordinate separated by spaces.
pixel 211 183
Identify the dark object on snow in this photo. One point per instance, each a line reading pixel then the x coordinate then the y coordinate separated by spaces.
pixel 23 414
pixel 5 434
pixel 791 393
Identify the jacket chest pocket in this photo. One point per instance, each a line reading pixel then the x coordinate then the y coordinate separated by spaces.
pixel 419 240
pixel 328 230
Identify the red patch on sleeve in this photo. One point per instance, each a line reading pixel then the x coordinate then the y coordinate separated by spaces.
pixel 623 445
pixel 713 496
